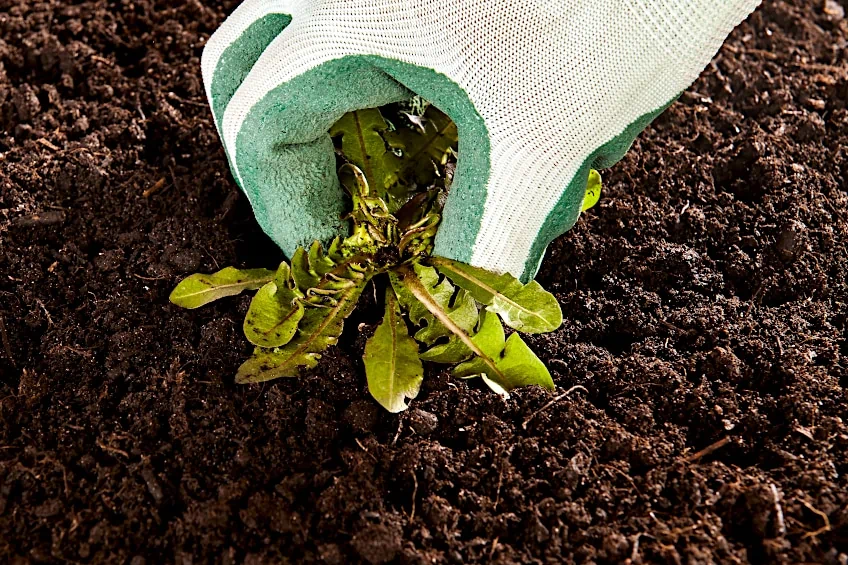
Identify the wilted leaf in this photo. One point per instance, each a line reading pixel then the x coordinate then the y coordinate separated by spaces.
pixel 275 311
pixel 414 209
pixel 392 365
pixel 526 308
pixel 199 290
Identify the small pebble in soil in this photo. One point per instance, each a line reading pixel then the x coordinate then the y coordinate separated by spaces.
pixel 423 423
pixel 377 544
pixel 834 9
pixel 789 239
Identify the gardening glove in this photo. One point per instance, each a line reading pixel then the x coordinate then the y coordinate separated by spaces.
pixel 541 91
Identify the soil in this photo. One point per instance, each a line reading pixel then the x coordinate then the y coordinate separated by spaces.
pixel 702 371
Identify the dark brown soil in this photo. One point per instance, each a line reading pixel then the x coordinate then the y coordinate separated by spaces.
pixel 705 298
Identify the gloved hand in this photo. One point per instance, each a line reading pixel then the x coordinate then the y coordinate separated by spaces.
pixel 541 91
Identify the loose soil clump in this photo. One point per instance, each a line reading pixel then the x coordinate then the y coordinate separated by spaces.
pixel 705 301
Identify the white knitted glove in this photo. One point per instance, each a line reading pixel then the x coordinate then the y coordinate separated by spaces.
pixel 541 91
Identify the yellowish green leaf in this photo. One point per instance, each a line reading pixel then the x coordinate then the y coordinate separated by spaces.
pixel 593 190
pixel 275 311
pixel 459 307
pixel 199 290
pixel 302 273
pixel 509 363
pixel 319 329
pixel 392 366
pixel 526 308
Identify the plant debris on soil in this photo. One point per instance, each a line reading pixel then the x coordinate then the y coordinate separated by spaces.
pixel 704 352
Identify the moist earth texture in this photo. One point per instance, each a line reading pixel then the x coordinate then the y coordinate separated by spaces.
pixel 702 369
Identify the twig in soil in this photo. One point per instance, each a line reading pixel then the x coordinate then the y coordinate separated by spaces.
pixel 498 493
pixel 414 495
pixel 494 548
pixel 6 346
pixel 154 189
pixel 671 326
pixel 806 432
pixel 824 529
pixel 47 144
pixel 397 435
pixel 149 278
pixel 820 67
pixel 83 352
pixel 371 455
pixel 778 511
pixel 172 96
pixel 140 111
pixel 217 266
pixel 103 60
pixel 683 211
pixel 754 298
pixel 627 477
pixel 46 312
pixel 49 218
pixel 566 394
pixel 174 178
pixel 634 555
pixel 500 477
pixel 110 449
pixel 707 450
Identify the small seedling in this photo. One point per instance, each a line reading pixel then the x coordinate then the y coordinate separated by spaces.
pixel 397 178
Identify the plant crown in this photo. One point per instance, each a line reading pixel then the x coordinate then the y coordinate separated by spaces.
pixel 398 177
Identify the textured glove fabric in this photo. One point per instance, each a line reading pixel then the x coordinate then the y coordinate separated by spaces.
pixel 541 91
